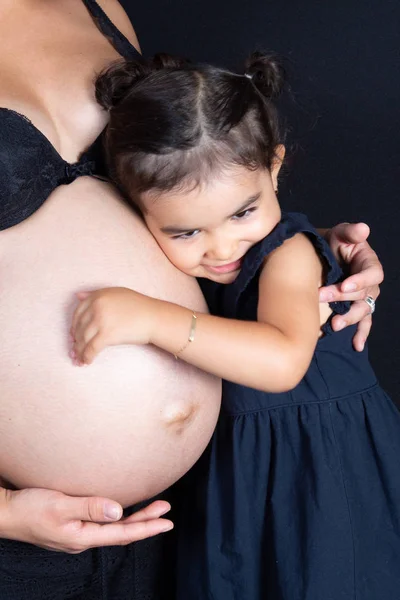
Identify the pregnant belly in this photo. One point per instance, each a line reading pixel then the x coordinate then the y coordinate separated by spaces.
pixel 134 421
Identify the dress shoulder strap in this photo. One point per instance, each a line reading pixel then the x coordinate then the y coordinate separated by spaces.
pixel 121 43
pixel 228 300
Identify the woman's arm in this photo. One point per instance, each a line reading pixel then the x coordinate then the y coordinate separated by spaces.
pixel 271 354
pixel 55 521
pixel 349 244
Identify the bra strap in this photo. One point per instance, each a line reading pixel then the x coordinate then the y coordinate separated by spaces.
pixel 111 32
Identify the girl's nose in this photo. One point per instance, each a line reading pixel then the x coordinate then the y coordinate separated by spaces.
pixel 223 248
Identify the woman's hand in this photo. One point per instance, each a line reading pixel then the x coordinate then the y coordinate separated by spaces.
pixel 109 317
pixel 70 524
pixel 348 242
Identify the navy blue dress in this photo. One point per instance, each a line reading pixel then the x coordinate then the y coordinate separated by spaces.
pixel 298 495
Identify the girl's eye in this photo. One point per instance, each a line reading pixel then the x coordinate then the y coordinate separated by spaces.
pixel 245 213
pixel 186 236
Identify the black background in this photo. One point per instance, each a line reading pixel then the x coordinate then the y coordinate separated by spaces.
pixel 344 112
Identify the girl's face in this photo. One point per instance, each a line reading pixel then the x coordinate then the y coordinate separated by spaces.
pixel 207 231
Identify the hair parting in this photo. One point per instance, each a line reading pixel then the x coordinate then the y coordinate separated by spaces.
pixel 174 124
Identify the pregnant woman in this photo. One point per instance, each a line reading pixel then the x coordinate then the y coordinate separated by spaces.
pixel 136 421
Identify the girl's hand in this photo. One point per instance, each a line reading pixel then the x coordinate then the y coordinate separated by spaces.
pixel 109 317
pixel 348 242
pixel 70 524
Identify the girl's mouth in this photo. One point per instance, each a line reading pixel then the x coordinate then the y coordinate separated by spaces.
pixel 227 268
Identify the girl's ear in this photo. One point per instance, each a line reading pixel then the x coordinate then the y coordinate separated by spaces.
pixel 279 155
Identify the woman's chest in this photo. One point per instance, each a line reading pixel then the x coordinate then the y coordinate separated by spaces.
pixel 47 72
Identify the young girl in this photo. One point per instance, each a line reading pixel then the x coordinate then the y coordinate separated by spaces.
pixel 298 494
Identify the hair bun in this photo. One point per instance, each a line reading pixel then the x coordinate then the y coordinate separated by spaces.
pixel 116 81
pixel 267 73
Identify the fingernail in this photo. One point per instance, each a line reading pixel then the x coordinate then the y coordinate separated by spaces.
pixel 325 296
pixel 349 287
pixel 167 526
pixel 112 512
pixel 339 325
pixel 165 511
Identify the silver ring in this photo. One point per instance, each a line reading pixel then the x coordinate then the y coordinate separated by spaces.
pixel 371 303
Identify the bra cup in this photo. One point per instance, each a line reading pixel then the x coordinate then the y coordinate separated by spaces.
pixel 30 166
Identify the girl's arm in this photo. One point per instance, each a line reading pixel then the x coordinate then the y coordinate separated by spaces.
pixel 271 354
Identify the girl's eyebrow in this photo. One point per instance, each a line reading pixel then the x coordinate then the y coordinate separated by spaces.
pixel 246 204
pixel 176 230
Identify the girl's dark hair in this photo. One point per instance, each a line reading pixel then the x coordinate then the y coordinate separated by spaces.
pixel 173 124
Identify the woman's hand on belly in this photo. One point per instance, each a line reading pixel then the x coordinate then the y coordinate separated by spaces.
pixel 70 524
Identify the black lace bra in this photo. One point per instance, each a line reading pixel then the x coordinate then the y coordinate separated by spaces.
pixel 30 166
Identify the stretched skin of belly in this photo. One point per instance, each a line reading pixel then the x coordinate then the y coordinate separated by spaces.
pixel 134 421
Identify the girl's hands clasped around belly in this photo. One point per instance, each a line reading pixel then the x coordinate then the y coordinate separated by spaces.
pixel 70 524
